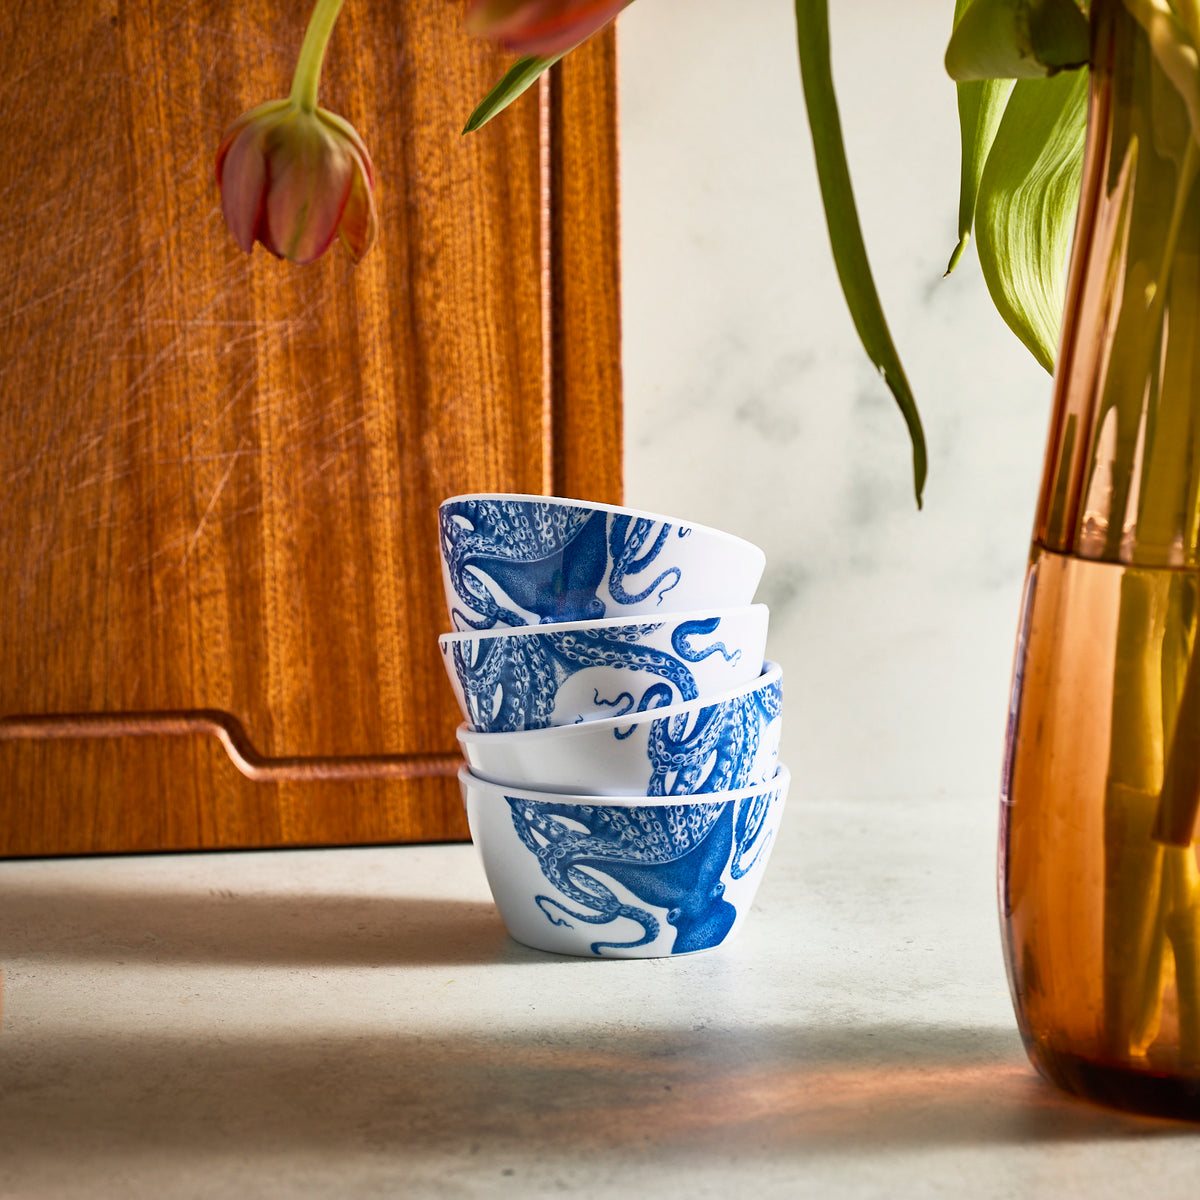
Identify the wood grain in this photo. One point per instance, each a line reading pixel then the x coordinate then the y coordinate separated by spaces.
pixel 585 312
pixel 221 472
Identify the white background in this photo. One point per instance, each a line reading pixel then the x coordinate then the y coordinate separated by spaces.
pixel 750 405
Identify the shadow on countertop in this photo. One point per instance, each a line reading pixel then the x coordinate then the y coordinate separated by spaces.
pixel 222 927
pixel 624 1094
pixel 650 1097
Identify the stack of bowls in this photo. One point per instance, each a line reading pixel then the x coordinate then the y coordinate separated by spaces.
pixel 621 730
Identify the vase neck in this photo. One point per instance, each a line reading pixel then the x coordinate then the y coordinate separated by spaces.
pixel 1122 476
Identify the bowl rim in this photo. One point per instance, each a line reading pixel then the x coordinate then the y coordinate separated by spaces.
pixel 772 673
pixel 620 509
pixel 666 618
pixel 468 781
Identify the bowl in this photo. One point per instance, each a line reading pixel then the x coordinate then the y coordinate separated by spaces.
pixel 730 740
pixel 528 560
pixel 540 675
pixel 623 878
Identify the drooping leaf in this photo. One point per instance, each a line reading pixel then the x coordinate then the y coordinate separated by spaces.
pixel 521 76
pixel 1017 39
pixel 1025 211
pixel 980 106
pixel 841 217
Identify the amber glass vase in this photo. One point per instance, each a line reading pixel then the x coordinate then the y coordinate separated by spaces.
pixel 1099 885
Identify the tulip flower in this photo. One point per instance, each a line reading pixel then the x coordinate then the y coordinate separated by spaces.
pixel 541 28
pixel 294 176
pixel 541 31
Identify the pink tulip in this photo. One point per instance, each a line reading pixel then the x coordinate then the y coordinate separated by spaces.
pixel 294 178
pixel 541 28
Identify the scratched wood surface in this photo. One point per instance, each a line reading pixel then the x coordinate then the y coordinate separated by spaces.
pixel 220 472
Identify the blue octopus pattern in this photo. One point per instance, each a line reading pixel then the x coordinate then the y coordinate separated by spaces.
pixel 718 751
pixel 672 857
pixel 548 559
pixel 513 683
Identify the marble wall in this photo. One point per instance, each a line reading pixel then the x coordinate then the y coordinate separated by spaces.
pixel 750 406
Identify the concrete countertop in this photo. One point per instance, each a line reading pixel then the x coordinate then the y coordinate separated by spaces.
pixel 356 1023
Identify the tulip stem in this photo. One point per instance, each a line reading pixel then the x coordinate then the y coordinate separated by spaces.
pixel 312 54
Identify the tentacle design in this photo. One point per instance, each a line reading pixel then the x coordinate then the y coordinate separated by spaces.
pixel 507 691
pixel 748 825
pixel 545 559
pixel 626 537
pixel 550 561
pixel 672 857
pixel 513 683
pixel 712 750
pixel 681 641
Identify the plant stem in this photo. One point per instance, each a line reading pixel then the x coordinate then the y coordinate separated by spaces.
pixel 1163 521
pixel 1183 928
pixel 1183 189
pixel 312 54
pixel 1188 14
pixel 1133 862
pixel 1148 897
pixel 1173 43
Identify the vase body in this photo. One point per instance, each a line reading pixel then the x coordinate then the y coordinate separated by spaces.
pixel 1099 884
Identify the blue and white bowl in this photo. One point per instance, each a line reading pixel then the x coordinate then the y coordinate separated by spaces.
pixel 526 560
pixel 623 878
pixel 540 675
pixel 717 743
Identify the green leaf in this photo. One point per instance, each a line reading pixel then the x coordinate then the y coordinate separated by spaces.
pixel 519 78
pixel 1017 39
pixel 1025 212
pixel 841 218
pixel 980 107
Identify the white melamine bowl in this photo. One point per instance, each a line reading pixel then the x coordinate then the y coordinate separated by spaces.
pixel 730 740
pixel 540 675
pixel 623 878
pixel 527 560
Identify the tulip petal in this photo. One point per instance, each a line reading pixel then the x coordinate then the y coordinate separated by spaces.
pixel 341 126
pixel 494 18
pixel 241 174
pixel 241 170
pixel 359 222
pixel 542 27
pixel 248 118
pixel 295 179
pixel 310 173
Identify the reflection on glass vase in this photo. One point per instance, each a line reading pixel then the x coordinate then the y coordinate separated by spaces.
pixel 1099 885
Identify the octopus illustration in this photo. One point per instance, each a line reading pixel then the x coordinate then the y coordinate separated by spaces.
pixel 672 857
pixel 713 750
pixel 546 559
pixel 513 683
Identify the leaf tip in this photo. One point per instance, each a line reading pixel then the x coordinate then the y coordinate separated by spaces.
pixel 957 253
pixel 920 470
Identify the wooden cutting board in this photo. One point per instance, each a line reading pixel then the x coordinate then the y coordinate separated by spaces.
pixel 220 472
